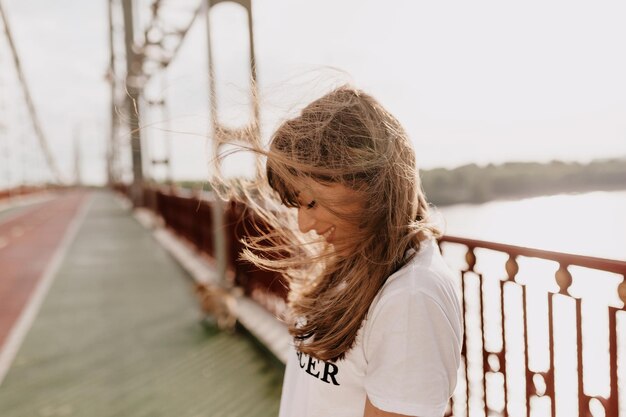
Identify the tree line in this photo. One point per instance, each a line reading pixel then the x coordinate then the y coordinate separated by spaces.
pixel 477 184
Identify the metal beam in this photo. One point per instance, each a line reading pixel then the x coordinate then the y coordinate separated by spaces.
pixel 133 70
pixel 112 150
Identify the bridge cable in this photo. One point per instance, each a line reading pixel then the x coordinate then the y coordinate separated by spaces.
pixel 43 143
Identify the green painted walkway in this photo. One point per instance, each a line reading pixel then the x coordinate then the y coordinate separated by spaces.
pixel 119 335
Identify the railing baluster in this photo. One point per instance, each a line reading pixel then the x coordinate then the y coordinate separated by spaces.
pixel 511 270
pixel 583 400
pixel 485 354
pixel 612 402
pixel 549 375
pixel 502 353
pixel 527 373
pixel 612 405
pixel 464 348
pixel 470 258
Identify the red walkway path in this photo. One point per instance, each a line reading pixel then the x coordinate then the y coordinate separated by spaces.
pixel 28 241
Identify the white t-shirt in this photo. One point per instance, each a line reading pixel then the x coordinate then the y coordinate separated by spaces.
pixel 406 354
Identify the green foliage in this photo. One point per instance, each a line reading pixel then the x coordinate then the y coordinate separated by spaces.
pixel 194 185
pixel 474 184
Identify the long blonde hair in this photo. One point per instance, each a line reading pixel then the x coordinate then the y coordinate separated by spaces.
pixel 345 137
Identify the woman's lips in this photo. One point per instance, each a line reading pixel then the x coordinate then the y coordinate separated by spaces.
pixel 329 234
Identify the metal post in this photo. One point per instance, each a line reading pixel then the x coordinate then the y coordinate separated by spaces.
pixel 217 208
pixel 167 136
pixel 133 69
pixel 112 149
pixel 256 128
pixel 222 134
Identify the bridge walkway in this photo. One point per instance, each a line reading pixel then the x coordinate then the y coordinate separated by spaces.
pixel 118 333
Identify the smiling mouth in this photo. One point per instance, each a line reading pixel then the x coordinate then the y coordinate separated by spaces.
pixel 327 235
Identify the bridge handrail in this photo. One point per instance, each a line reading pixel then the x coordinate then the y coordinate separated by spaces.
pixel 565 259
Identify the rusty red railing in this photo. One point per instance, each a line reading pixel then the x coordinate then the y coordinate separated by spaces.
pixel 24 190
pixel 514 312
pixel 191 217
pixel 536 384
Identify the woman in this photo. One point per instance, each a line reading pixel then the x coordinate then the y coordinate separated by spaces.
pixel 375 311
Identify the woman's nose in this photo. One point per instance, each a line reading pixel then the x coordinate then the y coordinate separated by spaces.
pixel 305 220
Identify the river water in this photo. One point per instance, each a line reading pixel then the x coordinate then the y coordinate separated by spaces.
pixel 592 224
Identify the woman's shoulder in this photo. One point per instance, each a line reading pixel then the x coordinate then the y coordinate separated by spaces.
pixel 424 275
pixel 425 271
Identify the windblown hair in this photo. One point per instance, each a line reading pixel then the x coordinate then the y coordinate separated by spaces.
pixel 346 137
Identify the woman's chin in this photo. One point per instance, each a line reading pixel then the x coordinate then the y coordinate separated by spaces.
pixel 342 248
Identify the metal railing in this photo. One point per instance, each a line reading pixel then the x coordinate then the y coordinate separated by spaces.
pixel 559 383
pixel 513 311
pixel 191 217
pixel 24 190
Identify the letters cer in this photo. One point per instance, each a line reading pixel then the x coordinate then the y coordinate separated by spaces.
pixel 308 364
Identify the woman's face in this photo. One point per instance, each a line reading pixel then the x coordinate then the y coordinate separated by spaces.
pixel 323 208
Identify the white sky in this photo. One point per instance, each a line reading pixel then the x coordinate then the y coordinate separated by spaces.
pixel 481 81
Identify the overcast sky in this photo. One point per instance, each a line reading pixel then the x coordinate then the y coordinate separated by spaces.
pixel 480 81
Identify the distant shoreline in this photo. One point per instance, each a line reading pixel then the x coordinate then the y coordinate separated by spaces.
pixel 472 184
pixel 516 197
